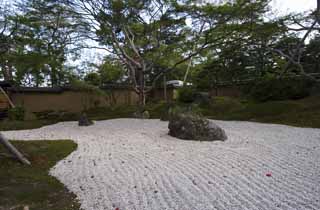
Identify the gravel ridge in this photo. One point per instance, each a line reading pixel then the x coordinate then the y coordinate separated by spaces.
pixel 134 164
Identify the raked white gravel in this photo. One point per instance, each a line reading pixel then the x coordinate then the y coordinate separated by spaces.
pixel 133 164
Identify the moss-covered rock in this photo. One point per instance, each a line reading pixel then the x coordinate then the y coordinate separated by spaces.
pixel 194 127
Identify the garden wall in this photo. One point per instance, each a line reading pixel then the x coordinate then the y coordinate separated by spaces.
pixel 157 94
pixel 230 91
pixel 4 104
pixel 39 100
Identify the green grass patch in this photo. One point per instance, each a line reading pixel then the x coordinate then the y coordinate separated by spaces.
pixel 6 125
pixel 302 113
pixel 22 185
pixel 106 113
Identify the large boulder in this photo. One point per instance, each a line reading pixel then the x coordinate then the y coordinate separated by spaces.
pixel 194 127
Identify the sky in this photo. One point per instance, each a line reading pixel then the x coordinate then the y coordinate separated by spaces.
pixel 287 6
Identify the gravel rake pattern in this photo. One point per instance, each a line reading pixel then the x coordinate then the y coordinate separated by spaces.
pixel 133 164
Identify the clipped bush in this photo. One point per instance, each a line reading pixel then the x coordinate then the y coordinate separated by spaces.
pixel 17 113
pixel 157 109
pixel 53 115
pixel 186 95
pixel 141 114
pixel 173 110
pixel 270 89
pixel 169 112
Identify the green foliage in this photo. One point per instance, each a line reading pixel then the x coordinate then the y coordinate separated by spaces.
pixel 33 186
pixel 221 105
pixel 311 56
pixel 17 113
pixel 186 95
pixel 156 109
pixel 107 73
pixel 78 85
pixel 104 113
pixel 303 112
pixel 43 34
pixel 267 89
pixel 6 125
pixel 110 72
pixel 93 78
pixel 172 110
pixel 236 41
pixel 56 116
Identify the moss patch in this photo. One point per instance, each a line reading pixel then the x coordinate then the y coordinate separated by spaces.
pixel 302 113
pixel 22 185
pixel 6 125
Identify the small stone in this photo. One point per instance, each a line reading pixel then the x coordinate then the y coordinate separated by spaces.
pixel 84 120
pixel 156 191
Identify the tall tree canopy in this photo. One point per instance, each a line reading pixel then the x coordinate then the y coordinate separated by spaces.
pixel 153 37
pixel 43 34
pixel 145 40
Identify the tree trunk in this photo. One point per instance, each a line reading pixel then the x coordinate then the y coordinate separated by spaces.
pixel 318 11
pixel 142 96
pixel 54 80
pixel 165 88
pixel 13 150
pixel 7 73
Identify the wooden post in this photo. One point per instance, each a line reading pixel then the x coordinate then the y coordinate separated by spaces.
pixel 13 150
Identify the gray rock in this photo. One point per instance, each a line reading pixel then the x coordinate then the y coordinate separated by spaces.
pixel 84 121
pixel 141 115
pixel 194 127
pixel 145 115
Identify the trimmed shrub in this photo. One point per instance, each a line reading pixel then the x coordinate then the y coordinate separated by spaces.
pixel 56 115
pixel 270 89
pixel 186 95
pixel 16 113
pixel 173 110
